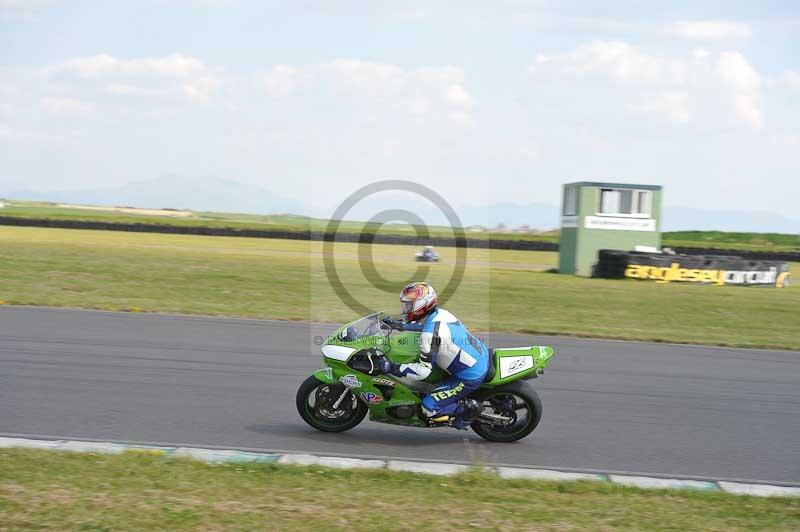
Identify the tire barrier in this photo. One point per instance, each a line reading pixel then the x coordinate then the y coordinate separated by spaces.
pixel 477 243
pixel 365 238
pixel 705 269
pixel 785 256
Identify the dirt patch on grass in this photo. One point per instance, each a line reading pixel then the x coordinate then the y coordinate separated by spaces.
pixel 130 210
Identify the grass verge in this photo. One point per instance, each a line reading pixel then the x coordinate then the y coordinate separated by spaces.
pixel 281 279
pixel 133 491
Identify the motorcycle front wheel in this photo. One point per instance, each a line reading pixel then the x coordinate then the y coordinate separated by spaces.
pixel 508 413
pixel 316 401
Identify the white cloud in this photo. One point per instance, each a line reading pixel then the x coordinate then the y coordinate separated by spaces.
pixel 122 89
pixel 283 80
pixel 678 88
pixel 672 105
pixel 174 75
pixel 26 5
pixel 379 87
pixel 710 29
pixel 203 3
pixel 791 79
pixel 66 106
pixel 744 84
pixel 364 76
pixel 7 91
pixel 22 135
pixel 530 152
pixel 620 60
pixel 457 96
pixel 104 66
pixel 369 100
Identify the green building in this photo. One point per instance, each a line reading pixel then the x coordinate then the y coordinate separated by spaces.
pixel 606 216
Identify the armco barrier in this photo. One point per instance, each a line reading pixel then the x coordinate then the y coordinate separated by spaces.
pixel 706 269
pixel 483 243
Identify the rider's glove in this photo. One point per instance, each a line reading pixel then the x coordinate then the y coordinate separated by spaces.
pixel 383 365
pixel 393 323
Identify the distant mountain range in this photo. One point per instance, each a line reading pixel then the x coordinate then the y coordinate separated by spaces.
pixel 215 194
pixel 207 194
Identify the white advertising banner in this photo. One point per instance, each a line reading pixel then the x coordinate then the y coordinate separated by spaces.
pixel 569 221
pixel 619 223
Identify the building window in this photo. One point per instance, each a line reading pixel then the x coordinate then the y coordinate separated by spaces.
pixel 570 201
pixel 643 202
pixel 625 202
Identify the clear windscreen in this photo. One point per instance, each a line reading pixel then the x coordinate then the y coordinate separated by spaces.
pixel 367 326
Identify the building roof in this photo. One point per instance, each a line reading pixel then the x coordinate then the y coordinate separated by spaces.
pixel 598 184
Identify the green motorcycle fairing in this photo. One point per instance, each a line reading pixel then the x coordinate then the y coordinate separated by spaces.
pixel 382 393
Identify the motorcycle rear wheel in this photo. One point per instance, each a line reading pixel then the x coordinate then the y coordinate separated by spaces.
pixel 520 397
pixel 314 404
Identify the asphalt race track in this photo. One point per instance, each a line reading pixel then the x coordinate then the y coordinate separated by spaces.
pixel 655 409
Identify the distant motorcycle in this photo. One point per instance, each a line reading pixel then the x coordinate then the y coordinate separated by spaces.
pixel 426 255
pixel 337 397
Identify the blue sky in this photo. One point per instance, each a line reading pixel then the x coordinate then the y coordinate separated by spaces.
pixel 482 101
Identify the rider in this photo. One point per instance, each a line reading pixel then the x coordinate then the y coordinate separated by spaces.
pixel 447 343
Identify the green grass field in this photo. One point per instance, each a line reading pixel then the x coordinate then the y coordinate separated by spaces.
pixel 285 222
pixel 132 491
pixel 739 241
pixel 282 279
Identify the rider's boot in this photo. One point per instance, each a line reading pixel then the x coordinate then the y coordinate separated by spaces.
pixel 433 418
pixel 468 409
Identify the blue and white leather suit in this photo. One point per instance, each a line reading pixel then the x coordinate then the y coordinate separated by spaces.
pixel 448 344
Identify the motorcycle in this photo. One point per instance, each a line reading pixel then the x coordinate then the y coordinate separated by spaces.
pixel 426 255
pixel 337 397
